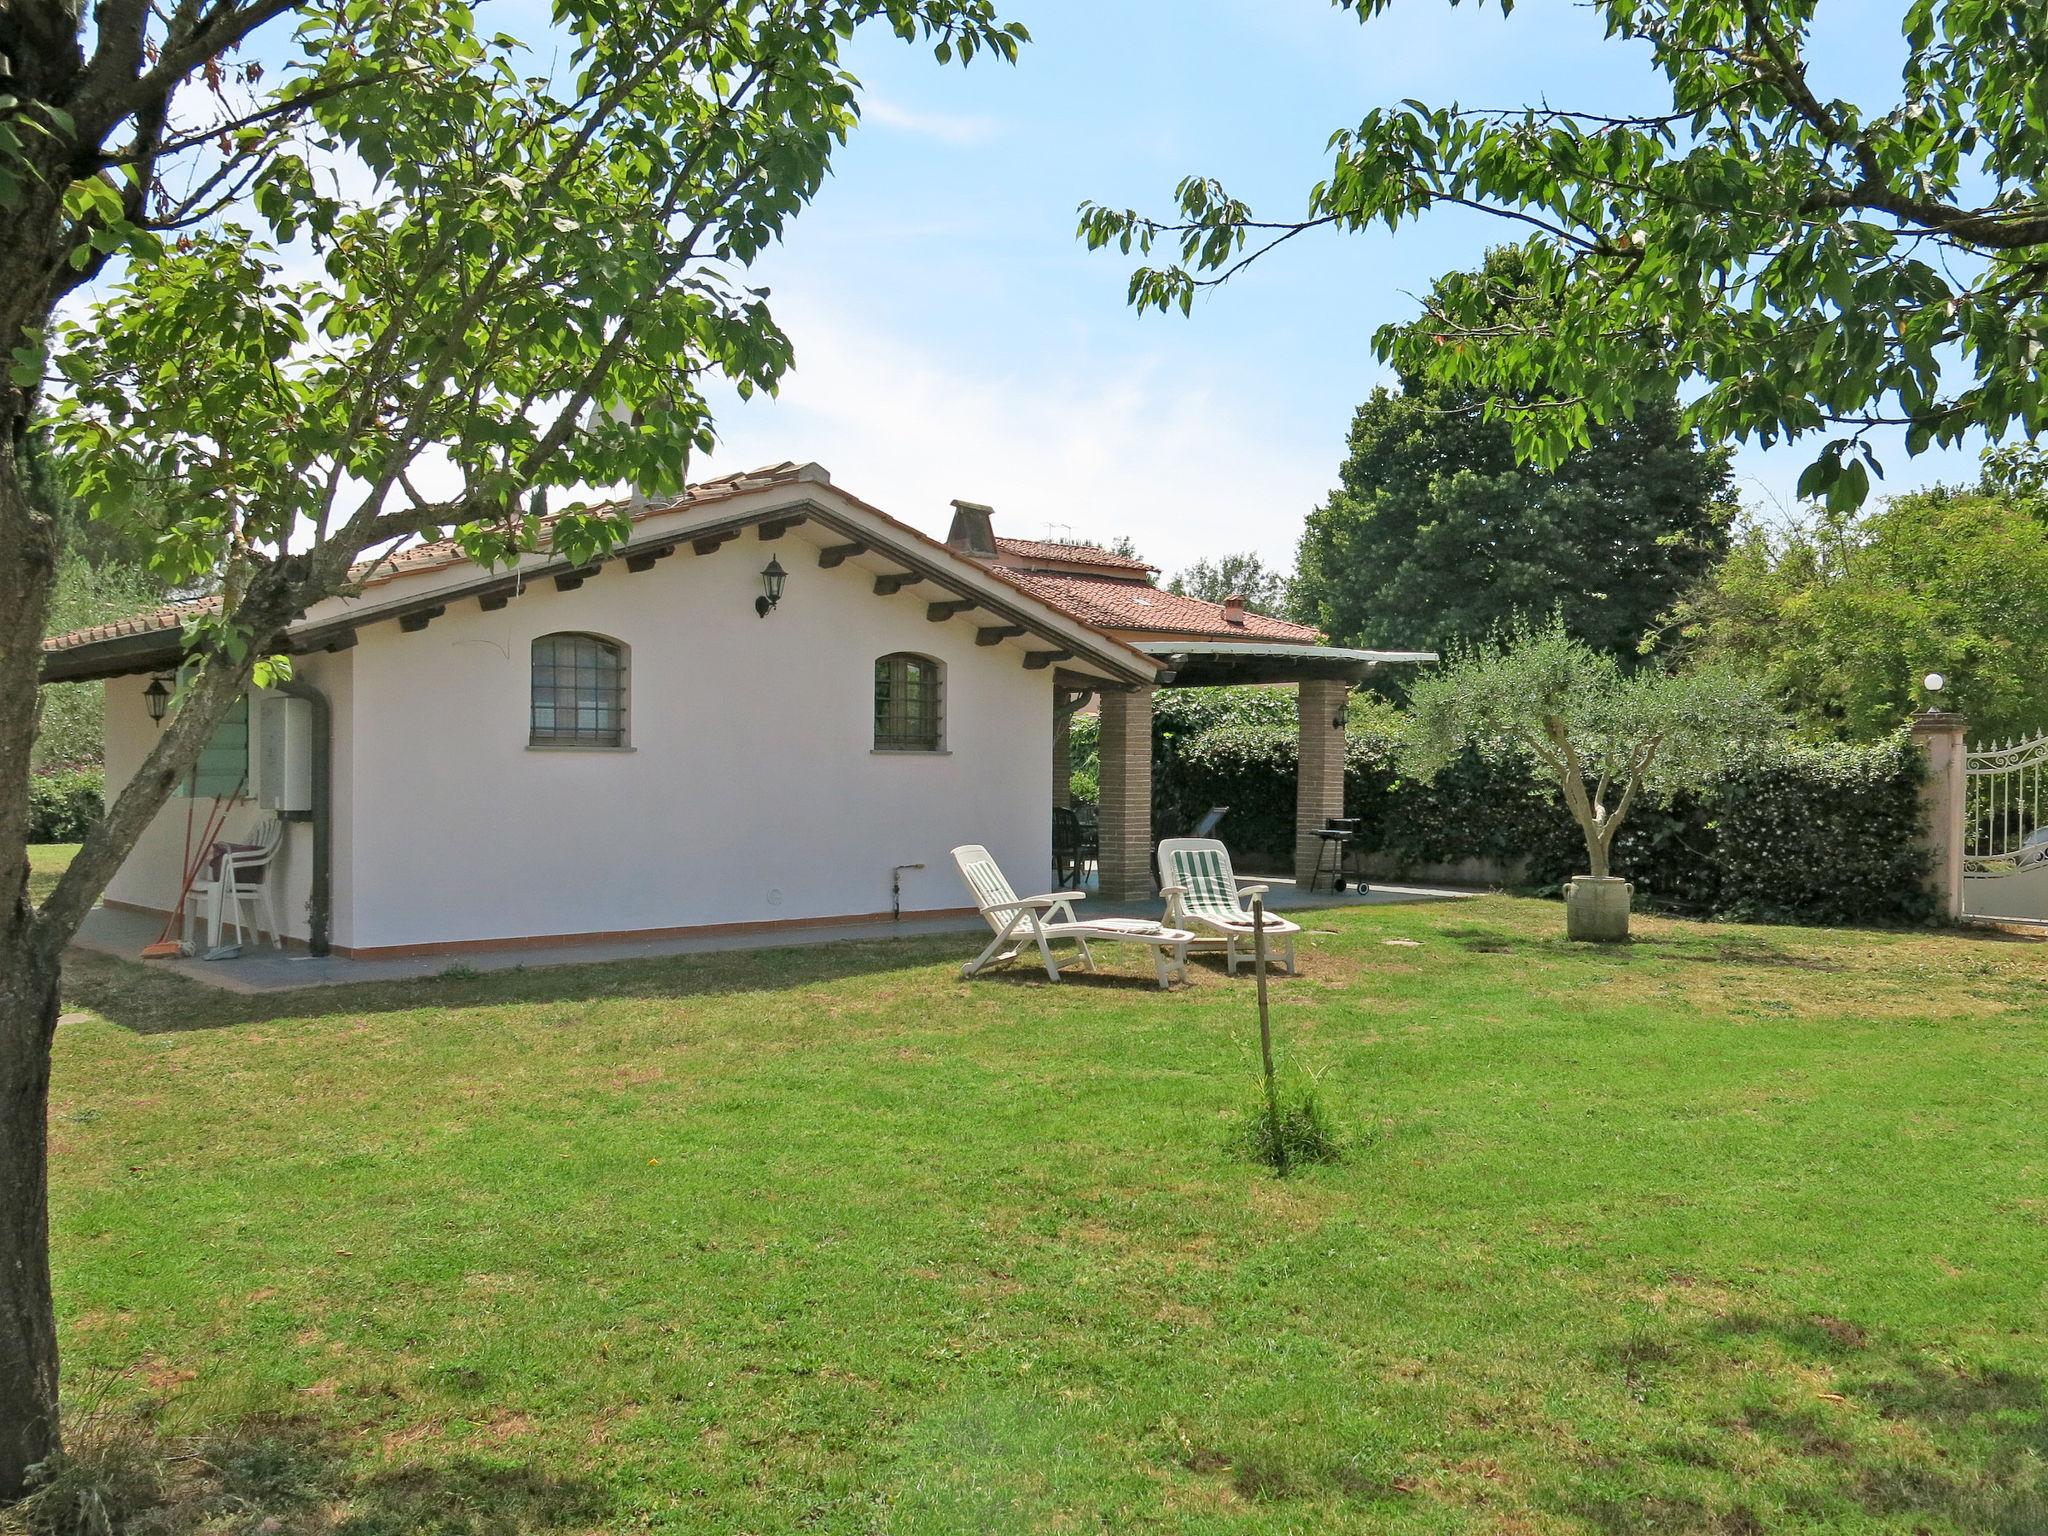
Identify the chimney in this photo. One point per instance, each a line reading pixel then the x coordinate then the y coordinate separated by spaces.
pixel 1233 608
pixel 973 531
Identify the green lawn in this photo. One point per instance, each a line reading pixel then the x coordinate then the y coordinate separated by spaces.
pixel 1739 1230
pixel 46 861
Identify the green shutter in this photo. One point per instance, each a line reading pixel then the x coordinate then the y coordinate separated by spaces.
pixel 223 766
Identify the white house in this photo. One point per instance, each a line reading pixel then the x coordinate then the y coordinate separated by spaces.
pixel 474 757
pixel 633 749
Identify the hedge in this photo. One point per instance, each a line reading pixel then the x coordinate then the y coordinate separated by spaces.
pixel 1813 834
pixel 62 805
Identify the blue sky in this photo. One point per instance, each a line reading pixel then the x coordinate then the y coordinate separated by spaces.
pixel 954 339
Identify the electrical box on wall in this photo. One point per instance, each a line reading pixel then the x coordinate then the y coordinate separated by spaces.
pixel 284 753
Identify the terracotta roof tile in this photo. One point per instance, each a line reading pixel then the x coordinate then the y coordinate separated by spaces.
pixel 1053 552
pixel 1127 605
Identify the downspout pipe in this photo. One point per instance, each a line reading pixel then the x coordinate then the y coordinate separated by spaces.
pixel 320 905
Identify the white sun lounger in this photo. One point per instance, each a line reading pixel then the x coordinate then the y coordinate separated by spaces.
pixel 1202 892
pixel 1019 921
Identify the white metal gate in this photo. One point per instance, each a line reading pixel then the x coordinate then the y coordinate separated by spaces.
pixel 2005 843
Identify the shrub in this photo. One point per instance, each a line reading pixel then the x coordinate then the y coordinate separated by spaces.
pixel 61 806
pixel 1806 833
pixel 1084 739
pixel 1825 834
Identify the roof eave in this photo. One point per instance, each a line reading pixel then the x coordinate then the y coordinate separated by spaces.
pixel 1126 665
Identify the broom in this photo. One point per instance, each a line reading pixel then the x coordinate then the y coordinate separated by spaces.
pixel 166 947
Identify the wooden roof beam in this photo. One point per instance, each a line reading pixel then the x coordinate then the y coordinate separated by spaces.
pixel 1038 661
pixel 838 554
pixel 896 581
pixel 938 613
pixel 643 559
pixel 996 634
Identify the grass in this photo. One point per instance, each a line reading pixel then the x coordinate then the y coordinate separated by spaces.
pixel 46 861
pixel 1737 1230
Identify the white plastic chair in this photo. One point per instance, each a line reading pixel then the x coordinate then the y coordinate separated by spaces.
pixel 241 890
pixel 1202 892
pixel 1040 920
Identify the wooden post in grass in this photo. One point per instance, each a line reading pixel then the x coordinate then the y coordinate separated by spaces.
pixel 1266 1035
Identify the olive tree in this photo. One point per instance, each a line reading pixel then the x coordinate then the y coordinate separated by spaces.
pixel 1607 740
pixel 360 274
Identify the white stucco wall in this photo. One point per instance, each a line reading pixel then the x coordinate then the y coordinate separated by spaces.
pixel 750 793
pixel 152 874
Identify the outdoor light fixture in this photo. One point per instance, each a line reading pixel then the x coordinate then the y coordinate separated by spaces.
pixel 1934 682
pixel 158 698
pixel 772 578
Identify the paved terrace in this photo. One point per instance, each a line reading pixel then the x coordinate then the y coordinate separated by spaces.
pixel 263 969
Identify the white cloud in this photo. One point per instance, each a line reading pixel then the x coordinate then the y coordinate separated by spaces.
pixel 1086 447
pixel 947 127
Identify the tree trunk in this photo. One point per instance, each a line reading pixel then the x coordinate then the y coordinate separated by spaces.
pixel 1596 853
pixel 28 1327
pixel 28 970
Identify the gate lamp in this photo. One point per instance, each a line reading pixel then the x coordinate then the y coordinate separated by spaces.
pixel 772 577
pixel 158 698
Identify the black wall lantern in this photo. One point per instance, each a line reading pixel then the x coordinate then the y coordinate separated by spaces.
pixel 158 698
pixel 772 578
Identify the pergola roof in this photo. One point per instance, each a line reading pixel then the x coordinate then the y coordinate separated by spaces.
pixel 1208 663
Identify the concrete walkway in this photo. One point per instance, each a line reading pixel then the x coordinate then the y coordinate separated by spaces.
pixel 263 969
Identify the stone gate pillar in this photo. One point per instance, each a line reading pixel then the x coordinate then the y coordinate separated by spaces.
pixel 1940 738
pixel 1319 789
pixel 1126 811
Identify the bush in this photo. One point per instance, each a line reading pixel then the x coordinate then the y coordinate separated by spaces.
pixel 1825 834
pixel 89 591
pixel 61 806
pixel 1084 758
pixel 1812 834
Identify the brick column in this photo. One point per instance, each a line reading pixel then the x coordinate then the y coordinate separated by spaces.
pixel 1126 772
pixel 1940 735
pixel 1319 790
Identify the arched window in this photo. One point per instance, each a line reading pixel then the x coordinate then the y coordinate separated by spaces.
pixel 579 692
pixel 910 708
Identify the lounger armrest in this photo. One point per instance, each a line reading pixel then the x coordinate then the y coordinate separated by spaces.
pixel 1252 888
pixel 1058 896
pixel 1021 904
pixel 1173 890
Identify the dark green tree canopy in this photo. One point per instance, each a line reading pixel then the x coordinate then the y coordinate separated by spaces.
pixel 1436 533
pixel 1812 266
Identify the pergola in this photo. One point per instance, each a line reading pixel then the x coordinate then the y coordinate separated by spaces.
pixel 1323 677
